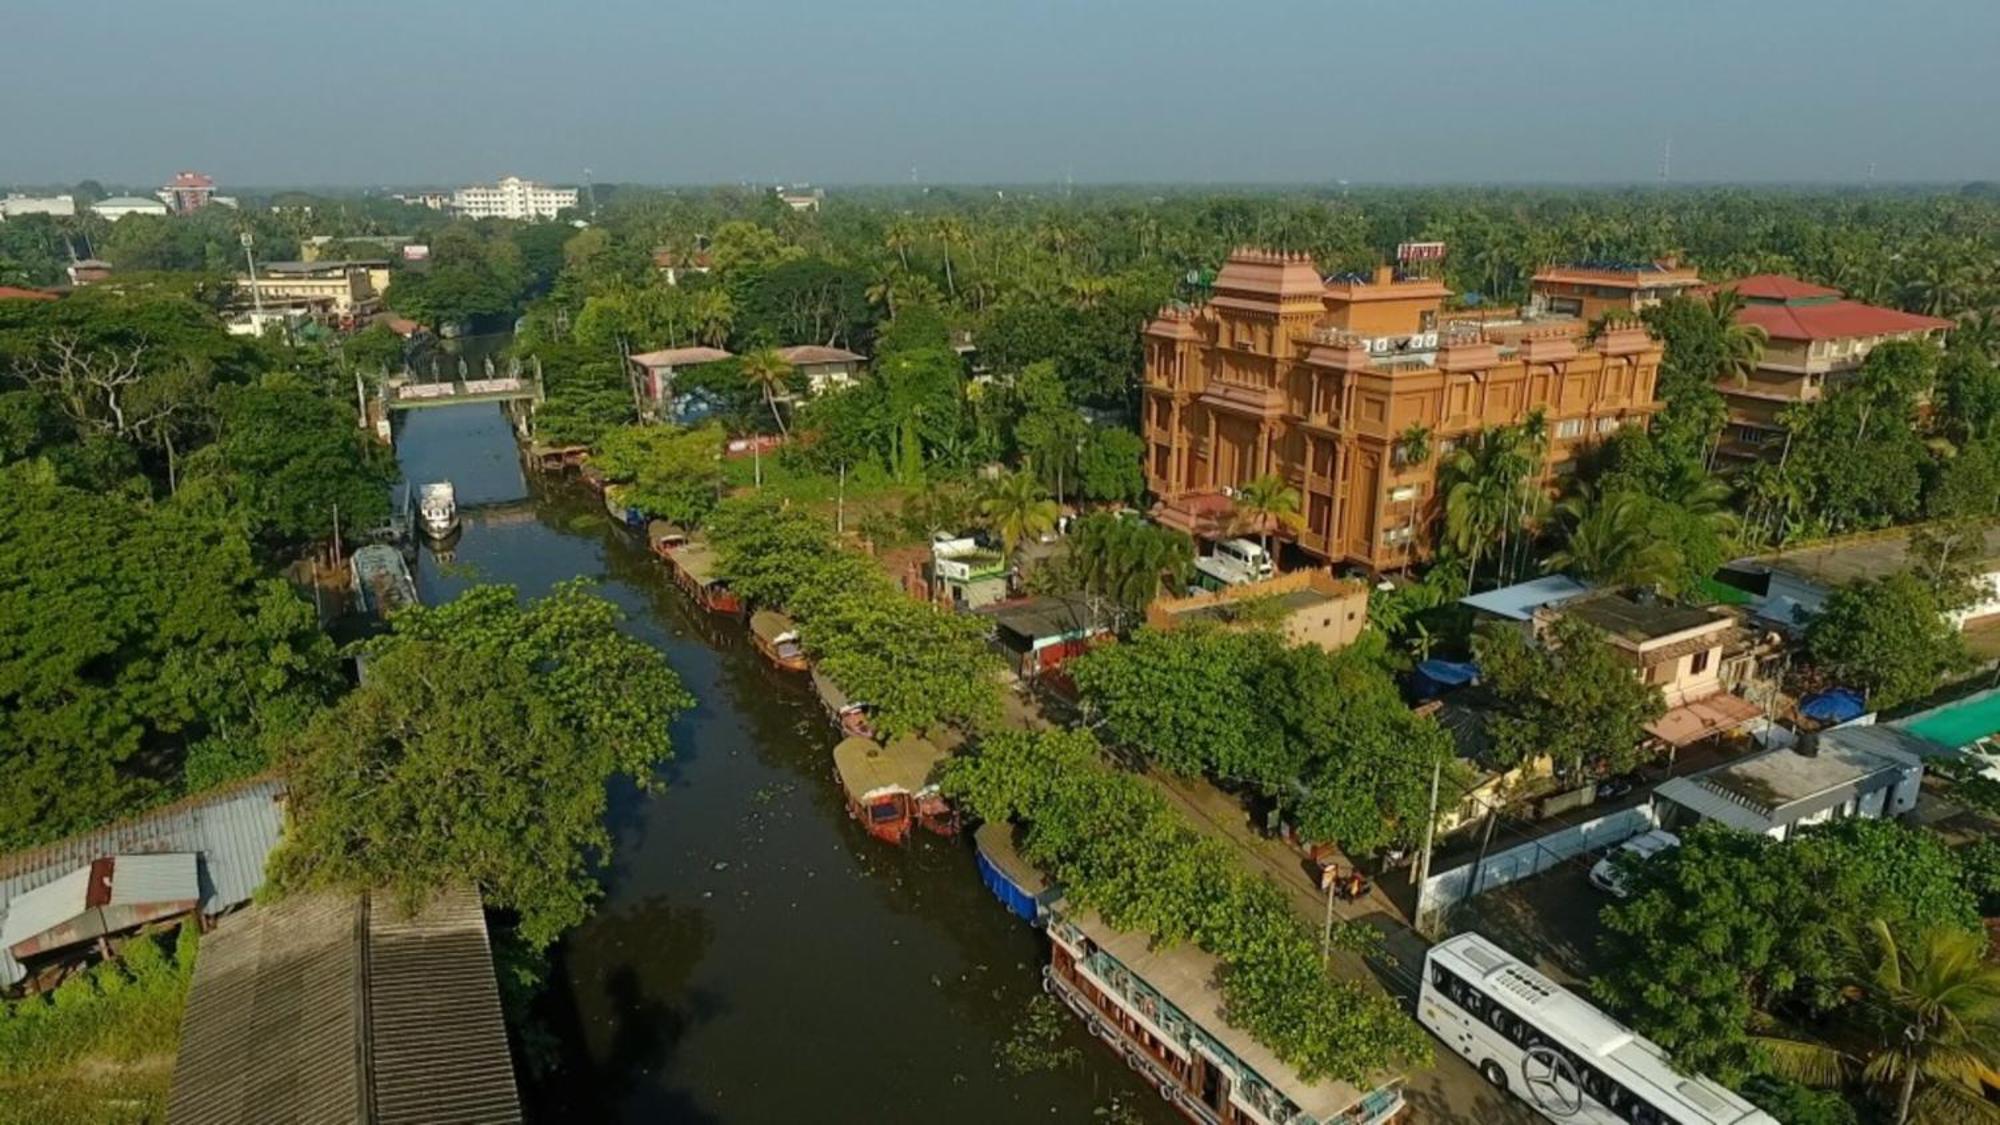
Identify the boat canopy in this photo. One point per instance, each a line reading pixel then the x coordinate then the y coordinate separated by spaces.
pixel 664 531
pixel 773 627
pixel 907 765
pixel 698 561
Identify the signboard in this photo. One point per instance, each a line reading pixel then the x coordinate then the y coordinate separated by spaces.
pixel 1420 252
pixel 416 252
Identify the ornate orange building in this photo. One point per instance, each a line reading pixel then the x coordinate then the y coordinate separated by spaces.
pixel 1317 380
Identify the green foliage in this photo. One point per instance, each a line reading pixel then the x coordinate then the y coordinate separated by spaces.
pixel 1015 508
pixel 1328 734
pixel 479 747
pixel 1730 925
pixel 1887 636
pixel 1111 466
pixel 289 457
pixel 908 413
pixel 100 1048
pixel 667 471
pixel 1117 849
pixel 921 669
pixel 1129 561
pixel 128 635
pixel 374 349
pixel 1794 1104
pixel 1035 1044
pixel 583 397
pixel 1569 697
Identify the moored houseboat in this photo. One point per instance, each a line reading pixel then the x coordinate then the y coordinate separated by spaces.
pixel 382 581
pixel 619 510
pixel 1163 1010
pixel 849 716
pixel 1019 886
pixel 777 639
pixel 887 786
pixel 664 538
pixel 694 564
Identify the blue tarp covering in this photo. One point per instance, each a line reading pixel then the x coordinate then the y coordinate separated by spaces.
pixel 1011 895
pixel 1836 705
pixel 1448 673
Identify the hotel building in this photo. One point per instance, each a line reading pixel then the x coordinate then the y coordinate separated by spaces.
pixel 512 198
pixel 1815 337
pixel 1316 380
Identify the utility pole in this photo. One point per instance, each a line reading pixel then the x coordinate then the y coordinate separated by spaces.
pixel 1326 930
pixel 256 294
pixel 840 504
pixel 1430 837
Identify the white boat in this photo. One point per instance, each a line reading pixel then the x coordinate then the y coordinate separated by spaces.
pixel 437 507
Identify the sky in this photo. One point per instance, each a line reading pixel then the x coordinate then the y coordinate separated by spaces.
pixel 424 92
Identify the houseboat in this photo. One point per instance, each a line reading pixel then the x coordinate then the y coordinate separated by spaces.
pixel 1162 1009
pixel 382 582
pixel 694 566
pixel 437 509
pixel 891 788
pixel 1019 886
pixel 663 539
pixel 619 510
pixel 777 639
pixel 850 717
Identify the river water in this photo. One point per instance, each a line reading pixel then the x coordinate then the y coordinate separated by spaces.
pixel 756 957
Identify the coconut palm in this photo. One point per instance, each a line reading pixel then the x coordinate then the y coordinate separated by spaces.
pixel 1742 342
pixel 712 314
pixel 1017 509
pixel 948 232
pixel 1922 1026
pixel 768 371
pixel 1268 503
pixel 899 236
pixel 1611 540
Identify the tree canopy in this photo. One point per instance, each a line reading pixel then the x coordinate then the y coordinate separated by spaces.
pixel 1887 636
pixel 1569 697
pixel 478 747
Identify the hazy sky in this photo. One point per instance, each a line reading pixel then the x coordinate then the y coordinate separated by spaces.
pixel 843 91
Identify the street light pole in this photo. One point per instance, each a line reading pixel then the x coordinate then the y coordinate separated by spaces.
pixel 256 293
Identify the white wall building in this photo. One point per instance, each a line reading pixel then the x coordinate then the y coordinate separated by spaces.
pixel 1867 771
pixel 14 206
pixel 119 206
pixel 512 198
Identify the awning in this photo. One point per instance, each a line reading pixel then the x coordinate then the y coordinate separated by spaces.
pixel 1692 722
pixel 1835 705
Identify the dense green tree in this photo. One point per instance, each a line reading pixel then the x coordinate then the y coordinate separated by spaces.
pixel 1731 929
pixel 1183 698
pixel 666 471
pixel 1128 561
pixel 134 640
pixel 921 669
pixel 1016 509
pixel 295 461
pixel 1111 466
pixel 1614 540
pixel 478 748
pixel 1887 636
pixel 808 301
pixel 1568 697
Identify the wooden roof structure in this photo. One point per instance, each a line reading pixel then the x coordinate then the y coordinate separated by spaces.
pixel 334 1007
pixel 904 766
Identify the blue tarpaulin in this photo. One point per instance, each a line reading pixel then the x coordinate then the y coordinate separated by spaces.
pixel 1448 673
pixel 1835 705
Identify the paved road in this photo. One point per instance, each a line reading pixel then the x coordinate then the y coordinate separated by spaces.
pixel 1450 1092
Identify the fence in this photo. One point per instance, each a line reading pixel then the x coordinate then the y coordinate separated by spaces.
pixel 1446 889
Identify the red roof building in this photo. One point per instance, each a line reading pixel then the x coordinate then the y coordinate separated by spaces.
pixel 1815 336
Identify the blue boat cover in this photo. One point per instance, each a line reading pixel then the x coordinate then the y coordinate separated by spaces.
pixel 1448 673
pixel 1012 895
pixel 1834 705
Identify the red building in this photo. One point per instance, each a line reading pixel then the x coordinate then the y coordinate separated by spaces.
pixel 189 192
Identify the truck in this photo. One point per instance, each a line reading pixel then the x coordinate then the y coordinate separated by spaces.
pixel 1234 562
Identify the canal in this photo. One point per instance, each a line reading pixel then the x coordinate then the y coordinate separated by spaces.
pixel 755 957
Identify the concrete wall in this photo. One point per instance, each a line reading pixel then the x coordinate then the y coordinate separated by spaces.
pixel 1445 889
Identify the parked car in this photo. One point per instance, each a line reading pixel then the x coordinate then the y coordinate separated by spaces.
pixel 1612 788
pixel 1608 875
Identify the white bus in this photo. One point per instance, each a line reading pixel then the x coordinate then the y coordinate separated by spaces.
pixel 1556 1052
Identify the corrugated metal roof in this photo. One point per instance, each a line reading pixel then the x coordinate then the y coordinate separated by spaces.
pixel 169 877
pixel 45 907
pixel 337 1008
pixel 232 829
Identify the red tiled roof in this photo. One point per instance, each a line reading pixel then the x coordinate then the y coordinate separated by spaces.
pixel 1834 320
pixel 680 357
pixel 1777 287
pixel 12 293
pixel 815 353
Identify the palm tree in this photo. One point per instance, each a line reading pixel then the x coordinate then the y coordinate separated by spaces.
pixel 768 371
pixel 1742 342
pixel 1611 540
pixel 1017 509
pixel 1268 503
pixel 1476 504
pixel 1923 1026
pixel 949 232
pixel 713 313
pixel 900 235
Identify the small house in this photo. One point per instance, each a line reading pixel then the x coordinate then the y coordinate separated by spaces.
pixel 1038 635
pixel 825 368
pixel 1308 607
pixel 1868 771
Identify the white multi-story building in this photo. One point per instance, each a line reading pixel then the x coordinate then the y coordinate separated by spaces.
pixel 14 206
pixel 512 198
